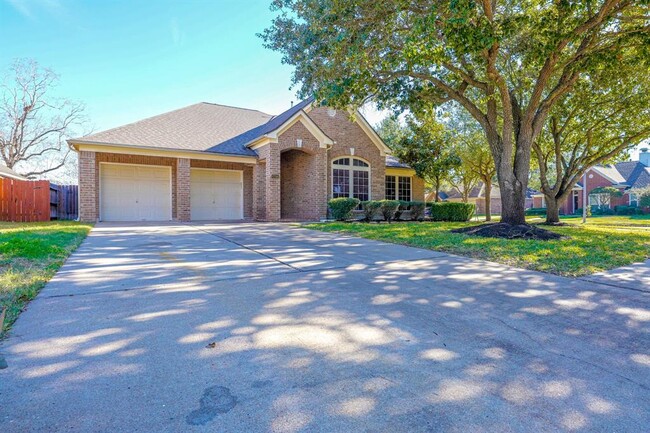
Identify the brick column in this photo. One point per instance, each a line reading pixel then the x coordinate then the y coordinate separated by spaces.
pixel 259 191
pixel 273 183
pixel 321 172
pixel 183 189
pixel 88 184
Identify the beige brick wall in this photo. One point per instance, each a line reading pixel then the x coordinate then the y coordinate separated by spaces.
pixel 417 188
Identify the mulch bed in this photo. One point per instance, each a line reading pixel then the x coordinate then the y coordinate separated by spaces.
pixel 509 231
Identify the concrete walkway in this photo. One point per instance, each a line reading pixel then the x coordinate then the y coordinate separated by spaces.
pixel 268 327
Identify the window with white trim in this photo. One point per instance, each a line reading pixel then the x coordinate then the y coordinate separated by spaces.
pixel 398 188
pixel 351 178
pixel 634 199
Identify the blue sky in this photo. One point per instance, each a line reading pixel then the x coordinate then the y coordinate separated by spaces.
pixel 127 60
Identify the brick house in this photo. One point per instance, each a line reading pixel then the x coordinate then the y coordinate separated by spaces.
pixel 215 162
pixel 477 197
pixel 625 176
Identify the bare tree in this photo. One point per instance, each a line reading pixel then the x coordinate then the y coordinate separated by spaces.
pixel 33 124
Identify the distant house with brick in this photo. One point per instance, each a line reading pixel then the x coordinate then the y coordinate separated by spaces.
pixel 625 176
pixel 216 162
pixel 477 197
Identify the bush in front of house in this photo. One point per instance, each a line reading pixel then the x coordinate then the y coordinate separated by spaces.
pixel 370 209
pixel 417 210
pixel 341 208
pixel 401 210
pixel 536 211
pixel 579 211
pixel 452 211
pixel 628 210
pixel 388 208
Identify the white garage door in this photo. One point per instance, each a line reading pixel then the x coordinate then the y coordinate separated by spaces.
pixel 216 194
pixel 135 193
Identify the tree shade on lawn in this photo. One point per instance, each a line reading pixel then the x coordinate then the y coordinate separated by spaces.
pixel 507 63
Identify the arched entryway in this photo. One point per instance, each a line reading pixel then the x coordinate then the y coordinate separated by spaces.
pixel 299 177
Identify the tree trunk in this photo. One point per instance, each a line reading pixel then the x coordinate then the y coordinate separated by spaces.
pixel 513 200
pixel 488 199
pixel 552 209
pixel 436 187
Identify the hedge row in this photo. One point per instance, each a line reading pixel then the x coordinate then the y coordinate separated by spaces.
pixel 341 209
pixel 451 211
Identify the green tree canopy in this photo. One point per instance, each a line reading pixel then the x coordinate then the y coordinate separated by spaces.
pixel 506 62
pixel 427 146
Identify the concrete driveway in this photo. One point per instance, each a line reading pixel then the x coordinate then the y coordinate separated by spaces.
pixel 268 327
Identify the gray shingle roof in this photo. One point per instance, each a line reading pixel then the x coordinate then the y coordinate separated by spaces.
pixel 240 141
pixel 391 161
pixel 199 127
pixel 204 127
pixel 610 172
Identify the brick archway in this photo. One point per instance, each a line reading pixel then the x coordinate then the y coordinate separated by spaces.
pixel 298 184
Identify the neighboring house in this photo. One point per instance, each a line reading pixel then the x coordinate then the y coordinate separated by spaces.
pixel 624 176
pixel 6 172
pixel 216 162
pixel 477 197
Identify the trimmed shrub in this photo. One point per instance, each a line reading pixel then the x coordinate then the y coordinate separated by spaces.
pixel 403 207
pixel 417 210
pixel 341 208
pixel 370 209
pixel 579 211
pixel 388 208
pixel 452 211
pixel 536 211
pixel 625 210
pixel 602 210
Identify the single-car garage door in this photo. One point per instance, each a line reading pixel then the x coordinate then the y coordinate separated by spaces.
pixel 135 193
pixel 216 194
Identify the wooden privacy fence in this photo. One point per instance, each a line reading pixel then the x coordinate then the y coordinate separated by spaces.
pixel 37 200
pixel 24 200
pixel 64 204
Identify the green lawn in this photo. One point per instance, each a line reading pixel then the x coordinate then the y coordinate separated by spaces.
pixel 603 243
pixel 30 254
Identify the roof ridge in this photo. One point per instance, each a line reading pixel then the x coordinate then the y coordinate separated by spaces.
pixel 235 107
pixel 155 116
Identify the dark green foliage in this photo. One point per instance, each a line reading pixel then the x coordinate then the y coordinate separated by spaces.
pixel 451 211
pixel 417 210
pixel 370 209
pixel 536 211
pixel 341 208
pixel 579 211
pixel 388 208
pixel 403 207
pixel 626 210
pixel 601 210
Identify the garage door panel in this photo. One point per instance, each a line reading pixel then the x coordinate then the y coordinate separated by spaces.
pixel 216 194
pixel 135 193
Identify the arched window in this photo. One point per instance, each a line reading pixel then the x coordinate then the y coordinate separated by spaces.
pixel 351 178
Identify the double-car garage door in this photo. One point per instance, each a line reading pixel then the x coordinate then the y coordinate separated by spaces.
pixel 144 193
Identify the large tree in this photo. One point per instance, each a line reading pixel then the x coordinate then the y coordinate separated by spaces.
pixel 426 146
pixel 602 119
pixel 34 124
pixel 507 62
